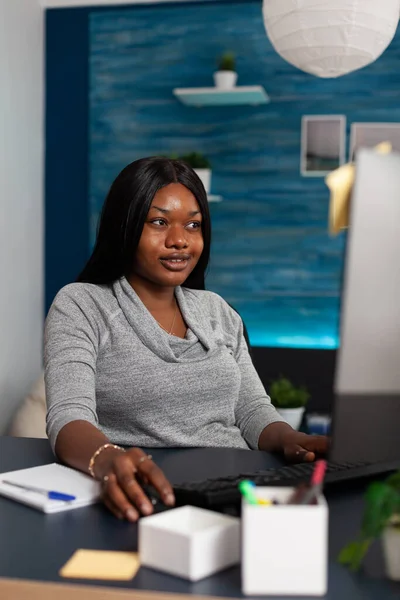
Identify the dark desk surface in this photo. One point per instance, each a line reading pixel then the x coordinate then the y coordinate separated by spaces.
pixel 35 546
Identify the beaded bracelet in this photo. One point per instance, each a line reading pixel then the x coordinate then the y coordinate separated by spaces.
pixel 96 454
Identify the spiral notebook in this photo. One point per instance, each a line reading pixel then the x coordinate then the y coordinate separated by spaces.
pixel 50 477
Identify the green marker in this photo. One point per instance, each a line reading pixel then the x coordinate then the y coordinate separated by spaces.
pixel 247 490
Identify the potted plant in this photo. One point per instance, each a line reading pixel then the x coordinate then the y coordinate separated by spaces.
pixel 201 165
pixel 381 519
pixel 289 400
pixel 226 76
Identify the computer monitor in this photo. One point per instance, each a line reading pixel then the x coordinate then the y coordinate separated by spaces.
pixel 366 416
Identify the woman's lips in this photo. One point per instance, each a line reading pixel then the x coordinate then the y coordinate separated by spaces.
pixel 175 264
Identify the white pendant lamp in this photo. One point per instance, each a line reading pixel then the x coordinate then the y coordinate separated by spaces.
pixel 329 38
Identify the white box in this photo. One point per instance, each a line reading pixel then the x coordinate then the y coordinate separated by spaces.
pixel 189 542
pixel 284 547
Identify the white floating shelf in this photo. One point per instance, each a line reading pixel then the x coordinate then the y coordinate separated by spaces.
pixel 214 198
pixel 213 96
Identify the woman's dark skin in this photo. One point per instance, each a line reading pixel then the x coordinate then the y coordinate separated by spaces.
pixel 172 229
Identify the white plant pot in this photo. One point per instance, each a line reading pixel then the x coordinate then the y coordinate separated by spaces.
pixel 225 80
pixel 293 416
pixel 391 551
pixel 205 176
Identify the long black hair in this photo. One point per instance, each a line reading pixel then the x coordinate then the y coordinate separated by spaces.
pixel 124 213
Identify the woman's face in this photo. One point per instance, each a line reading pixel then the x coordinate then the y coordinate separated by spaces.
pixel 172 241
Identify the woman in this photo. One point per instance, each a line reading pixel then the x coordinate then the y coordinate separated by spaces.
pixel 133 357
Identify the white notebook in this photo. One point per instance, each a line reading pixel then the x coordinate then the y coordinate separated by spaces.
pixel 51 477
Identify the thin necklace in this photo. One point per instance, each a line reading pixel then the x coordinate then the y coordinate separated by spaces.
pixel 173 321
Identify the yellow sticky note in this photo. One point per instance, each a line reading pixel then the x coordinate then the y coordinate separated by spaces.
pixel 99 564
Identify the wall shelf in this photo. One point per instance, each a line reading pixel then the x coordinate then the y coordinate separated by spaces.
pixel 213 96
pixel 214 198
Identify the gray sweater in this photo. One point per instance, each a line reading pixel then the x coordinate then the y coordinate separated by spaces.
pixel 108 362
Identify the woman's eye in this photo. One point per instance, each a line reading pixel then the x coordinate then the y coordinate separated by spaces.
pixel 194 225
pixel 158 221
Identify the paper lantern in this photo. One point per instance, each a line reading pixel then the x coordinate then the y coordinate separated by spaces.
pixel 329 38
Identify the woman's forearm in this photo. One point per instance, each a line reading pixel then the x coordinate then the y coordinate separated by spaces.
pixel 78 441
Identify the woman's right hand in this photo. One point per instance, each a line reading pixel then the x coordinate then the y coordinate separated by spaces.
pixel 121 474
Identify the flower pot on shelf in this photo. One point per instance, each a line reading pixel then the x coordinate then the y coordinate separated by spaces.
pixel 293 416
pixel 205 176
pixel 391 551
pixel 289 400
pixel 225 77
pixel 200 165
pixel 225 80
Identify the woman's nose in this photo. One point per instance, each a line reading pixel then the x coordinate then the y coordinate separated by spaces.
pixel 176 237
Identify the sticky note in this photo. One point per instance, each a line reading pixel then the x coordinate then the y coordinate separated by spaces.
pixel 99 564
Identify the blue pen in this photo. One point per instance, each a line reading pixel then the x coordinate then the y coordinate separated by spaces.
pixel 51 495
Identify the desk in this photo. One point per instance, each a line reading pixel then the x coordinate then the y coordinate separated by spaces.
pixel 34 546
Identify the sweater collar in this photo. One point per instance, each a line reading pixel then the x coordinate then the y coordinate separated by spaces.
pixel 151 334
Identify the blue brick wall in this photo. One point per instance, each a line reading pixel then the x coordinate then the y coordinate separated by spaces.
pixel 272 257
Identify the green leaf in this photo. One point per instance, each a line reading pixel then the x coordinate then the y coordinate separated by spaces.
pixel 353 554
pixel 382 502
pixel 394 481
pixel 382 509
pixel 285 395
pixel 227 62
pixel 196 160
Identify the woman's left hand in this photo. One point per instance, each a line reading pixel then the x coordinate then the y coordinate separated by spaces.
pixel 300 447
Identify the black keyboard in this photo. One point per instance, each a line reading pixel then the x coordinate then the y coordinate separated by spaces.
pixel 218 493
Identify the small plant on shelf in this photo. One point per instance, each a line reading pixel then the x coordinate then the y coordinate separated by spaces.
pixel 227 62
pixel 225 77
pixel 381 519
pixel 200 164
pixel 196 160
pixel 289 400
pixel 286 395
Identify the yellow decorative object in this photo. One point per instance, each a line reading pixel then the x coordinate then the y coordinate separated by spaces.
pixel 384 148
pixel 340 183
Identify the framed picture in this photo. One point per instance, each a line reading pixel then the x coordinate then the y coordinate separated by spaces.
pixel 368 135
pixel 323 144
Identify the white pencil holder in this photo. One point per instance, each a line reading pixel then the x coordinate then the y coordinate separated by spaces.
pixel 284 547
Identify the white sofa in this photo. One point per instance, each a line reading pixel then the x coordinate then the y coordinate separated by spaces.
pixel 30 418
